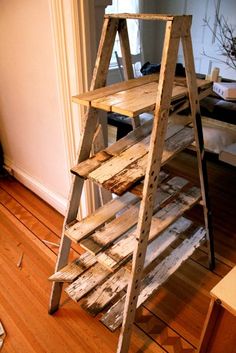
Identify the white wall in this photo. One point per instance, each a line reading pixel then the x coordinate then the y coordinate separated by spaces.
pixel 202 37
pixel 31 128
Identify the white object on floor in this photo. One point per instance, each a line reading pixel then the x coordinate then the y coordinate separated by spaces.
pixel 228 154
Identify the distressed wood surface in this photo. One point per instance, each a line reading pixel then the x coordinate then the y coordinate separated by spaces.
pixel 113 317
pixel 102 295
pixel 74 269
pixel 137 136
pixel 121 251
pixel 121 172
pixel 120 225
pixel 87 281
pixel 88 225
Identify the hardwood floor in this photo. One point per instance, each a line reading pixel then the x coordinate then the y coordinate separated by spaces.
pixel 171 321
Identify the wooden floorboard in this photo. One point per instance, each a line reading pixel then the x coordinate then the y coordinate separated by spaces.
pixel 171 321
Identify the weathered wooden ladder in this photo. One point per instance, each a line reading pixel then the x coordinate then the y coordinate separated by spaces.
pixel 138 239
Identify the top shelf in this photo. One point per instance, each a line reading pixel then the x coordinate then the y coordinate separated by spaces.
pixel 135 96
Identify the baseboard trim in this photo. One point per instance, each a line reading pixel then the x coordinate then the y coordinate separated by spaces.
pixel 56 201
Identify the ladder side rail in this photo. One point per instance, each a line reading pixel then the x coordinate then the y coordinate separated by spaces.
pixel 109 30
pixel 169 58
pixel 201 158
pixel 127 59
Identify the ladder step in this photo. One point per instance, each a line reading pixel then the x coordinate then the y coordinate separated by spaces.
pixel 120 172
pixel 111 288
pixel 81 229
pixel 152 282
pixel 122 250
pixel 106 235
pixel 73 270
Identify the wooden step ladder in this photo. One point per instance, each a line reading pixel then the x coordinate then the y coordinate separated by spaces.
pixel 138 239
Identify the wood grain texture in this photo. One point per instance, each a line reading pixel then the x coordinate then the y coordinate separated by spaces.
pixel 176 313
pixel 120 173
pixel 152 282
pixel 122 250
pixel 129 218
pixel 88 225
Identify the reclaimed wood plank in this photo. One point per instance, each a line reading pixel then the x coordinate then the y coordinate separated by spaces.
pixel 87 281
pixel 102 295
pixel 113 230
pixel 72 271
pixel 133 161
pixel 86 226
pixel 121 251
pixel 135 171
pixel 112 319
pixel 87 97
pixel 136 100
pixel 89 165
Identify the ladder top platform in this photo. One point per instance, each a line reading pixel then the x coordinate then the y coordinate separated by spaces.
pixel 134 96
pixel 145 16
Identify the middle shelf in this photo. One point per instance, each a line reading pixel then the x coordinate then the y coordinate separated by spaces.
pixel 118 167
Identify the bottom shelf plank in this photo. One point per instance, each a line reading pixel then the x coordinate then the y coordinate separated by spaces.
pixel 73 270
pixel 102 295
pixel 112 319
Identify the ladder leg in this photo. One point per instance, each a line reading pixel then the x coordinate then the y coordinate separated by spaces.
pixel 109 30
pixel 171 44
pixel 197 123
pixel 127 59
pixel 72 211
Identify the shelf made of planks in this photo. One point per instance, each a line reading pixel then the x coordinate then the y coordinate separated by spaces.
pixel 136 96
pixel 119 167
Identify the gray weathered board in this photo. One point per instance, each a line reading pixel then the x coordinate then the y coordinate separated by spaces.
pixel 93 276
pixel 102 295
pixel 114 229
pixel 121 251
pixel 113 317
pixel 119 171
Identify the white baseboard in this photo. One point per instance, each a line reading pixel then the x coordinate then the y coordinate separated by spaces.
pixel 56 201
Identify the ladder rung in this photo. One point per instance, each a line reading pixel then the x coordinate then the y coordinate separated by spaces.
pixel 152 282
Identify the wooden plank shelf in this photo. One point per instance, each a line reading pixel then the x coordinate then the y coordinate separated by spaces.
pixel 135 96
pixel 112 319
pixel 118 169
pixel 93 275
pixel 109 222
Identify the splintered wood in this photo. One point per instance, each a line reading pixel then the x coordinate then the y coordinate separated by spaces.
pixel 113 318
pixel 126 163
